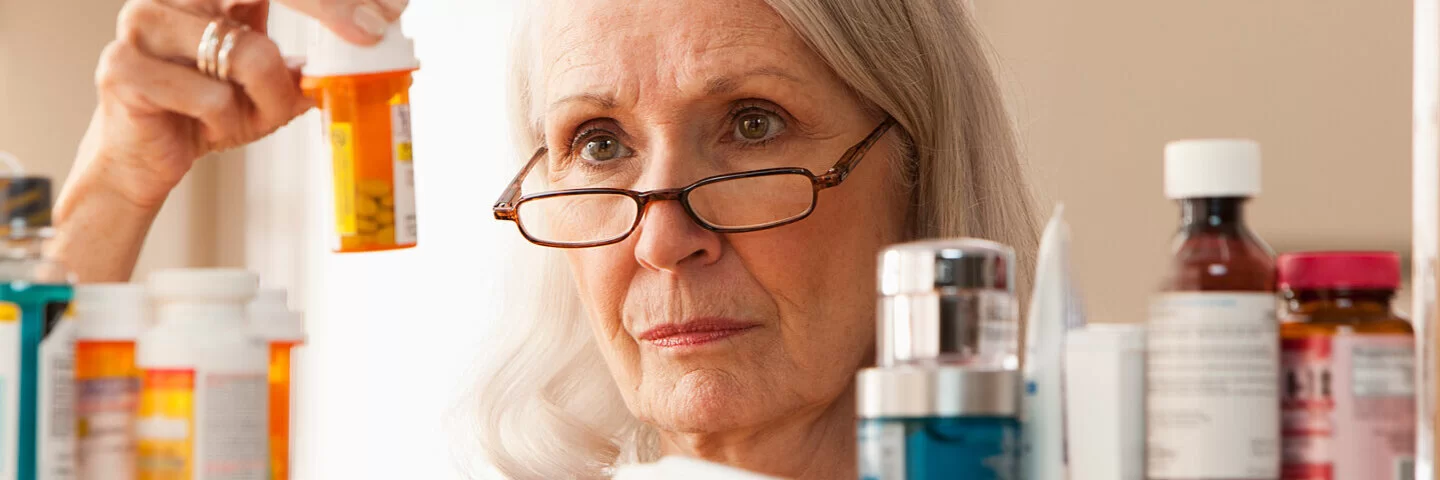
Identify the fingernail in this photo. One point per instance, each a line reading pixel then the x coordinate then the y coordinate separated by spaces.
pixel 369 19
pixel 294 62
pixel 395 6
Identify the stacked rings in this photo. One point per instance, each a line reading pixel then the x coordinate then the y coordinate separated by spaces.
pixel 212 56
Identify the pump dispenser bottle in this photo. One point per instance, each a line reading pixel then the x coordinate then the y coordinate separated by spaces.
pixel 943 401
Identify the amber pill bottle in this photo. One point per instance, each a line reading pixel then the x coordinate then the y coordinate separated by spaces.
pixel 1348 360
pixel 364 98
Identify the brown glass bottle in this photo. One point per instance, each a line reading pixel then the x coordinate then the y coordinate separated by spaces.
pixel 1213 361
pixel 1348 361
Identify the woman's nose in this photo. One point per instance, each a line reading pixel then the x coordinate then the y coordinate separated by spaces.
pixel 670 240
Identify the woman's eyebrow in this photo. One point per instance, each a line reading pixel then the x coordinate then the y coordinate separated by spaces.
pixel 723 84
pixel 601 100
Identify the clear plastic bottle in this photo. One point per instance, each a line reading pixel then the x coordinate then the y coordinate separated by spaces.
pixel 1213 363
pixel 364 95
pixel 204 397
pixel 109 318
pixel 1349 399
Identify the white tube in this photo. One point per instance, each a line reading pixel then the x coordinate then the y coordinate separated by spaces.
pixel 1054 308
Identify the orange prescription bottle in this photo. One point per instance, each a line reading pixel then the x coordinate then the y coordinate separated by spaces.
pixel 272 320
pixel 108 319
pixel 364 96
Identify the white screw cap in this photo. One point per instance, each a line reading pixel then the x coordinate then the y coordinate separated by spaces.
pixel 203 285
pixel 1212 168
pixel 111 311
pixel 329 55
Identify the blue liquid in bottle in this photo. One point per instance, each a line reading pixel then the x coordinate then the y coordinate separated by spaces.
pixel 936 448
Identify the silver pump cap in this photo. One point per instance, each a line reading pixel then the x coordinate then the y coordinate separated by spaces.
pixel 931 265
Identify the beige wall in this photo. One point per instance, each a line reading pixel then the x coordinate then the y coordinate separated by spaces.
pixel 48 51
pixel 1100 85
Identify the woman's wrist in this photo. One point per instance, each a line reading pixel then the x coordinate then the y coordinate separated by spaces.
pixel 100 223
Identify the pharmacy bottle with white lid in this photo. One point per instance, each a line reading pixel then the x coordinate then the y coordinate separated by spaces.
pixel 204 390
pixel 1213 339
pixel 364 97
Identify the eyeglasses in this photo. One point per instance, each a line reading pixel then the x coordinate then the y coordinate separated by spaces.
pixel 731 203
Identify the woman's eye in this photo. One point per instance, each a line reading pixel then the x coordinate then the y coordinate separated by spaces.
pixel 602 148
pixel 758 127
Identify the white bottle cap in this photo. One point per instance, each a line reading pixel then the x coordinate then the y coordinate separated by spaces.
pixel 210 285
pixel 271 318
pixel 111 311
pixel 329 55
pixel 1212 168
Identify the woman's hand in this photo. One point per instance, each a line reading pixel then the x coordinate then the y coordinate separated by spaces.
pixel 158 113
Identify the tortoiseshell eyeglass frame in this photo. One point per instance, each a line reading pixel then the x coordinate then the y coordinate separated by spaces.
pixel 507 207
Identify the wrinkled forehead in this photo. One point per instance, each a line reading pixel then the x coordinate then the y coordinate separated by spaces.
pixel 631 49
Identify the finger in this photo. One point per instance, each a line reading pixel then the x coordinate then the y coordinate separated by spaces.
pixel 266 77
pixel 149 85
pixel 359 21
pixel 255 62
pixel 161 30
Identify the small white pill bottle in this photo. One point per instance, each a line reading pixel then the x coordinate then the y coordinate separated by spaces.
pixel 204 387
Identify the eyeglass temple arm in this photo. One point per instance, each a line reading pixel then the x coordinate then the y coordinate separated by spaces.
pixel 505 206
pixel 852 157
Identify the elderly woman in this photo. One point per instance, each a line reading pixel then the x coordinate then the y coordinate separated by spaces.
pixel 710 185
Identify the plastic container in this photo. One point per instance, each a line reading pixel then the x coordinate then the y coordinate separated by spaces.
pixel 1349 397
pixel 282 330
pixel 37 356
pixel 109 318
pixel 943 401
pixel 1054 310
pixel 1104 387
pixel 1212 399
pixel 364 95
pixel 204 395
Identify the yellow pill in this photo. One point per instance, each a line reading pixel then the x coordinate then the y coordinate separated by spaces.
pixel 365 206
pixel 364 225
pixel 386 236
pixel 374 188
pixel 387 201
pixel 385 217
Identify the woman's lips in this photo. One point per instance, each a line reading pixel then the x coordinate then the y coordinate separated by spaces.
pixel 695 332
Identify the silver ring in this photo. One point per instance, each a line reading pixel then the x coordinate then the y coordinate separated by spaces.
pixel 222 58
pixel 206 50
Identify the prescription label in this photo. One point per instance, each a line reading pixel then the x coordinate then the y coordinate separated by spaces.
pixel 108 389
pixel 166 426
pixel 406 226
pixel 55 423
pixel 342 158
pixel 231 420
pixel 1212 393
pixel 1349 406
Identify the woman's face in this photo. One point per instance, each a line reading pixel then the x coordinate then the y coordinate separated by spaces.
pixel 707 332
